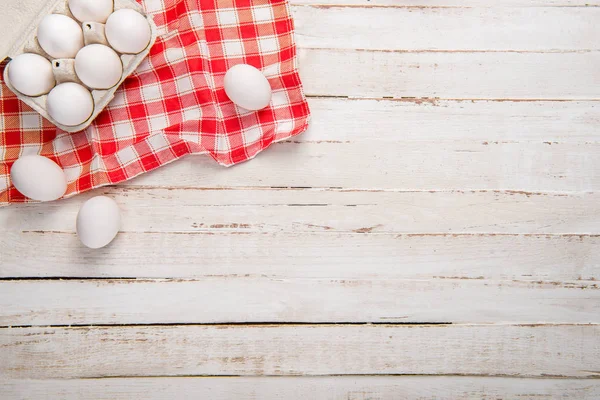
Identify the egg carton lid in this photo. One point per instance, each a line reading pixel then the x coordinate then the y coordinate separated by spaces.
pixel 17 19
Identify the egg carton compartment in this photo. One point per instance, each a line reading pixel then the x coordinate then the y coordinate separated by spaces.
pixel 64 68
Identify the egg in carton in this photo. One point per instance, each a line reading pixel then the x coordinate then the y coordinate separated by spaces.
pixel 79 82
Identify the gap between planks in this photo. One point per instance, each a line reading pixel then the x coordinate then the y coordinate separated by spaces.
pixel 424 4
pixel 442 51
pixel 381 4
pixel 337 375
pixel 274 324
pixel 435 100
pixel 364 232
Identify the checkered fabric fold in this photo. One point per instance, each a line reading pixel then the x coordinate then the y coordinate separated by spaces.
pixel 174 104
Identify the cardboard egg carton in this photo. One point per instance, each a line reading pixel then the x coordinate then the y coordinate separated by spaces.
pixel 19 20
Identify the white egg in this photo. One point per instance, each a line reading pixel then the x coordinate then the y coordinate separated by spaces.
pixel 98 66
pixel 91 10
pixel 60 36
pixel 98 222
pixel 128 31
pixel 70 104
pixel 31 74
pixel 38 178
pixel 247 87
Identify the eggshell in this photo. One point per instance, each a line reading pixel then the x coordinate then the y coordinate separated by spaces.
pixel 70 104
pixel 128 31
pixel 98 222
pixel 31 74
pixel 60 36
pixel 247 87
pixel 38 178
pixel 98 66
pixel 91 10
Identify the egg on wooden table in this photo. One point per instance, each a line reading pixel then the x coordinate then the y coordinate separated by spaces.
pixel 98 66
pixel 60 36
pixel 91 10
pixel 128 31
pixel 70 104
pixel 98 222
pixel 247 87
pixel 38 178
pixel 31 74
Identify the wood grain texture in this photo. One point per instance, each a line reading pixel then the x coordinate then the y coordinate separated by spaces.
pixel 451 174
pixel 392 154
pixel 458 75
pixel 299 388
pixel 234 299
pixel 407 166
pixel 555 350
pixel 402 120
pixel 302 210
pixel 305 255
pixel 451 29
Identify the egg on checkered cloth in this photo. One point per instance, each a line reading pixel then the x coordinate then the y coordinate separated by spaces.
pixel 38 178
pixel 247 87
pixel 71 104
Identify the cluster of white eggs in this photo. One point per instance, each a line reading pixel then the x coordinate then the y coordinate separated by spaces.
pixel 97 66
pixel 41 179
pixel 99 219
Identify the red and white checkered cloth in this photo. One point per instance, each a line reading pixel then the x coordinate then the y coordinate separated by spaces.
pixel 174 104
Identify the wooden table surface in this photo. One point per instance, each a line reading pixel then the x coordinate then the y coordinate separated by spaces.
pixel 435 234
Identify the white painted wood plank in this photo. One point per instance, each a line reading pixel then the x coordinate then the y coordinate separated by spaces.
pixel 542 350
pixel 234 300
pixel 302 210
pixel 452 29
pixel 305 255
pixel 338 119
pixel 300 388
pixel 405 165
pixel 394 123
pixel 449 3
pixel 495 75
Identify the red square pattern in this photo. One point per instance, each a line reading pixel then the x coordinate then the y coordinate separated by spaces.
pixel 176 91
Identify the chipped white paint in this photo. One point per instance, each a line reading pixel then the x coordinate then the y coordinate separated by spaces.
pixel 289 255
pixel 427 166
pixel 538 350
pixel 448 29
pixel 451 75
pixel 314 388
pixel 354 211
pixel 239 299
pixel 339 119
pixel 471 197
